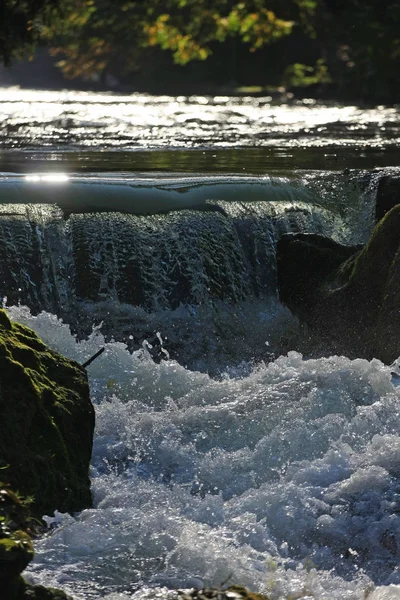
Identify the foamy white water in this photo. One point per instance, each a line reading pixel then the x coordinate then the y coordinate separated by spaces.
pixel 284 479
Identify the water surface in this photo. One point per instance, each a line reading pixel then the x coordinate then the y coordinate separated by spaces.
pixel 82 131
pixel 281 475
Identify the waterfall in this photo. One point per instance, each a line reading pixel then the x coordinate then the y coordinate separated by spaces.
pixel 134 272
pixel 221 453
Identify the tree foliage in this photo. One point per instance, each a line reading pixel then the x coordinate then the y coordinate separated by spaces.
pixel 22 23
pixel 349 45
pixel 97 33
pixel 360 40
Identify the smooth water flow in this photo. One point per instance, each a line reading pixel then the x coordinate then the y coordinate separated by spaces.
pixel 37 118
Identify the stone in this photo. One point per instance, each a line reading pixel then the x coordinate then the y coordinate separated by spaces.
pixel 305 264
pixel 353 306
pixel 46 422
pixel 387 195
pixel 16 550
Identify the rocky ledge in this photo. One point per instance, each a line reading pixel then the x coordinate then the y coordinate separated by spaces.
pixel 46 422
pixel 349 298
pixel 16 550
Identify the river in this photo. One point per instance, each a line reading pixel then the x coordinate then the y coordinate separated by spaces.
pixel 231 456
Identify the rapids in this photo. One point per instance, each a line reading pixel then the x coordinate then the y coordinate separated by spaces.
pixel 281 476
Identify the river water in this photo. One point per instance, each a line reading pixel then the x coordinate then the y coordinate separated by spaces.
pixel 83 131
pixel 277 472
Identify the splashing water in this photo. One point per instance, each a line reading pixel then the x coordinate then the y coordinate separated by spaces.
pixel 283 477
pixel 202 276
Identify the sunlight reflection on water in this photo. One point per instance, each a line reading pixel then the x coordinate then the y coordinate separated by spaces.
pixel 50 178
pixel 67 119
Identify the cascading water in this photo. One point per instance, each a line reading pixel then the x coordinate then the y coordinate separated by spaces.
pixel 283 477
pixel 221 462
pixel 203 274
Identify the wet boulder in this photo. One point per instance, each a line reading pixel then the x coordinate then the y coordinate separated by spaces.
pixel 16 550
pixel 46 422
pixel 387 195
pixel 353 305
pixel 380 262
pixel 306 264
pixel 367 293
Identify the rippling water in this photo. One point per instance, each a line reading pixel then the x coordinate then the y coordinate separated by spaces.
pixel 243 133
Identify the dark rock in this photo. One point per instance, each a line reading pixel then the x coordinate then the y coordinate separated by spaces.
pixel 354 307
pixel 370 297
pixel 306 263
pixel 46 422
pixel 383 255
pixel 16 550
pixel 39 592
pixel 387 195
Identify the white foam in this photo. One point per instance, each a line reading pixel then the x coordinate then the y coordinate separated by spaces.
pixel 284 480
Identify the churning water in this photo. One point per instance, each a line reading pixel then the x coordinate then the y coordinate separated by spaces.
pixel 278 473
pixel 283 477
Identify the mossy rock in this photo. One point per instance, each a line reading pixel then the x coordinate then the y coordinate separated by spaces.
pixel 16 550
pixel 17 588
pixel 386 342
pixel 387 195
pixel 233 592
pixel 46 422
pixel 370 297
pixel 353 303
pixel 38 592
pixel 14 510
pixel 369 275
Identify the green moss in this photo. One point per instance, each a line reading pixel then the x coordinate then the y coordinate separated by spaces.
pixel 38 592
pixel 46 422
pixel 14 511
pixel 358 311
pixel 16 550
pixel 369 300
pixel 368 272
pixel 4 320
pixel 349 303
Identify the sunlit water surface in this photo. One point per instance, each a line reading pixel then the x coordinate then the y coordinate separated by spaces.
pixel 100 131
